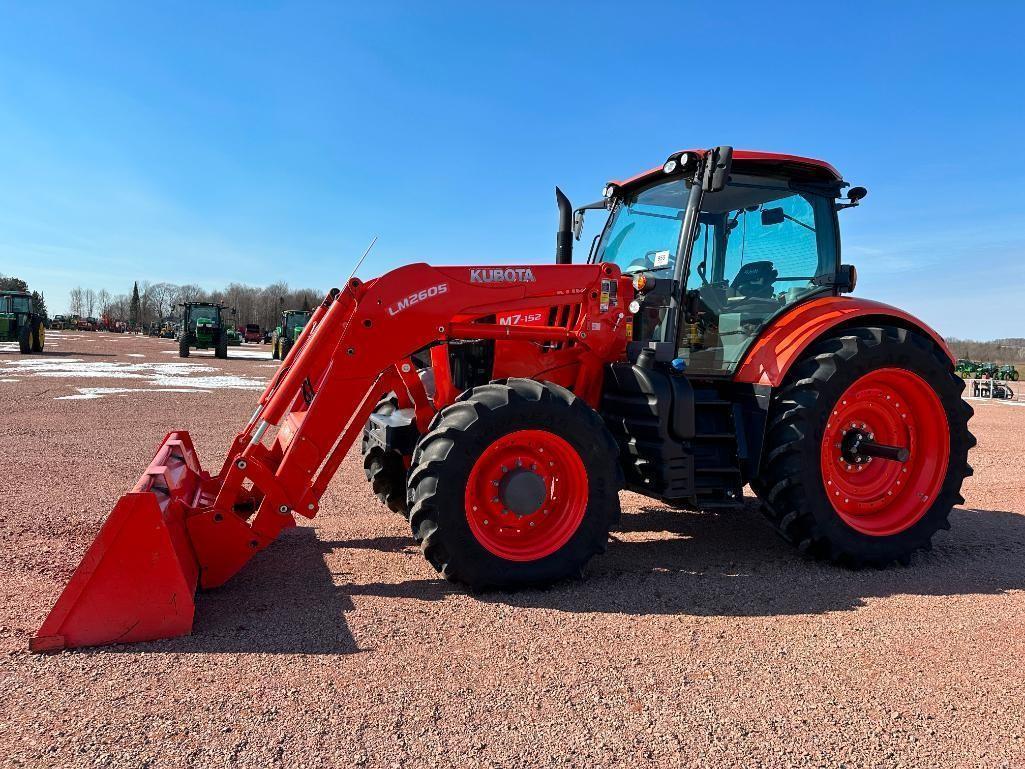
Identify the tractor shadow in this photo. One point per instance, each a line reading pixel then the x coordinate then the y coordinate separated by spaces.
pixel 285 601
pixel 664 561
pixel 659 562
pixel 70 354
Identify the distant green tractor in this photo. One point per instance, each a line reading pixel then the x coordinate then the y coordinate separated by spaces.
pixel 292 324
pixel 203 326
pixel 234 337
pixel 1007 373
pixel 19 323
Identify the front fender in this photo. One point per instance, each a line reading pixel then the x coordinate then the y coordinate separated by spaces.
pixel 782 342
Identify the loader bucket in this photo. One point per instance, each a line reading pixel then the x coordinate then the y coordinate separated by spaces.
pixel 138 578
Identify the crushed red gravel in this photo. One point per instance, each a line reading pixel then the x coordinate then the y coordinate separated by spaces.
pixel 698 640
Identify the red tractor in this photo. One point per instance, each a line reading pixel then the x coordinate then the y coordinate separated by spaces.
pixel 704 343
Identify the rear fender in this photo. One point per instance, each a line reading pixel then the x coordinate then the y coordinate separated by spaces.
pixel 783 341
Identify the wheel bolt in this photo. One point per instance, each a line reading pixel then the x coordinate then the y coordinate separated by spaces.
pixel 485 521
pixel 532 524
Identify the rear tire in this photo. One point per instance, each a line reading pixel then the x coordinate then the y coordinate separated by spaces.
pixel 563 519
pixel 183 346
pixel 880 511
pixel 385 470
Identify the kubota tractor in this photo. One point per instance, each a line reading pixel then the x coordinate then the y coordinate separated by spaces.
pixel 203 326
pixel 705 342
pixel 292 324
pixel 19 322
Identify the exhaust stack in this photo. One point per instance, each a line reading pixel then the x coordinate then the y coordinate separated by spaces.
pixel 564 237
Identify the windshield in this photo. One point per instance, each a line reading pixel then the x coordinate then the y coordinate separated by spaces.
pixel 21 303
pixel 297 320
pixel 209 313
pixel 644 230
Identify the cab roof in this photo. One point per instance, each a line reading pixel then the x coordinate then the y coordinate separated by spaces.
pixel 758 162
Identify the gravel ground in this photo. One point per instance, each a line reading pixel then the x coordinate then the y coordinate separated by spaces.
pixel 697 640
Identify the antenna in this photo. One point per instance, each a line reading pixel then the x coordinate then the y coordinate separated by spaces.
pixel 361 259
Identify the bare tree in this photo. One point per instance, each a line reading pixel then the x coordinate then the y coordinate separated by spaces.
pixel 89 302
pixel 75 301
pixel 103 302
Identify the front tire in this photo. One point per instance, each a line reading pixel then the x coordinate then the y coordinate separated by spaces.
pixel 183 346
pixel 221 349
pixel 515 485
pixel 39 338
pixel 385 470
pixel 25 339
pixel 894 387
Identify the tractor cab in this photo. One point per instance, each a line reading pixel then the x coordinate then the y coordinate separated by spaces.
pixel 713 265
pixel 203 327
pixel 20 323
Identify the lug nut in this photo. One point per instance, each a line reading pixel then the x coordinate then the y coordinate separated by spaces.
pixel 283 509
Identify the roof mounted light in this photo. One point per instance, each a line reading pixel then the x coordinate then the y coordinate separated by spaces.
pixel 610 190
pixel 679 161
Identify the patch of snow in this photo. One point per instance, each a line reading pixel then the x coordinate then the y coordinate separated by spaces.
pixel 93 393
pixel 236 353
pixel 161 375
pixel 134 355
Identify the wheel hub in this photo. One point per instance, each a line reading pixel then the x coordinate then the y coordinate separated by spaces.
pixel 522 491
pixel 858 447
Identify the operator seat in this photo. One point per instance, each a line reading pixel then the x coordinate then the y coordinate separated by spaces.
pixel 754 280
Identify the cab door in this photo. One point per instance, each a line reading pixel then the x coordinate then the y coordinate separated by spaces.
pixel 761 246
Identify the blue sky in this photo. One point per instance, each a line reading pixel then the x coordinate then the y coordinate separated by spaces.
pixel 253 141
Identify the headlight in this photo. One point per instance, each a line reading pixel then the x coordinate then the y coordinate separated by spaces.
pixel 635 307
pixel 670 166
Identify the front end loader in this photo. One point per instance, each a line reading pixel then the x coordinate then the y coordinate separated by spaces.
pixel 706 343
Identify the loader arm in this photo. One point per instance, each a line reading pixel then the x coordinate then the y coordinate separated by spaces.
pixel 356 346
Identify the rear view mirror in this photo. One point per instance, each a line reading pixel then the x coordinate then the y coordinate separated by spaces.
pixel 772 216
pixel 717 169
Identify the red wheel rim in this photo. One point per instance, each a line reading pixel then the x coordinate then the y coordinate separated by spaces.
pixel 877 496
pixel 528 458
